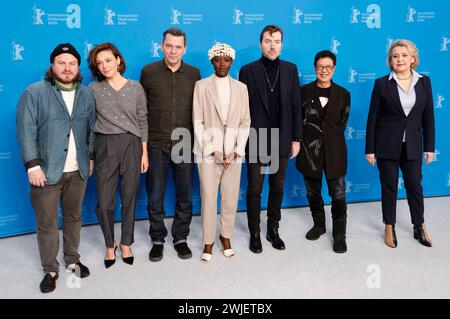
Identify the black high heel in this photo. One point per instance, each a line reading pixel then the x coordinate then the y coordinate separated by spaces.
pixel 127 260
pixel 419 234
pixel 110 262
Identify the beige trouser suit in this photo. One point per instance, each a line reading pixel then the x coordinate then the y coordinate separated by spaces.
pixel 221 119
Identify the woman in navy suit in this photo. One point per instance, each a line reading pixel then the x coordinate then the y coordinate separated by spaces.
pixel 400 126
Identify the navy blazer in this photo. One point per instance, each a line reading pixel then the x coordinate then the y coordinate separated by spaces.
pixel 387 121
pixel 253 76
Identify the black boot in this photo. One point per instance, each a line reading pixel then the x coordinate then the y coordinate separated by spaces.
pixel 319 226
pixel 273 237
pixel 255 243
pixel 339 228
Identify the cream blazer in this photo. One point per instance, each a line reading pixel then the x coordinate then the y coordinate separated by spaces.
pixel 212 133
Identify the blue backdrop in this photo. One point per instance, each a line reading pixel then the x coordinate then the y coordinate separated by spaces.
pixel 359 32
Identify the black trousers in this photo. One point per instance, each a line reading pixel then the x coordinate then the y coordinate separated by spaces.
pixel 117 155
pixel 412 177
pixel 254 190
pixel 336 190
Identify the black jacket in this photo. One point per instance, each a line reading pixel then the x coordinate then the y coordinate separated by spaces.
pixel 387 121
pixel 290 116
pixel 323 146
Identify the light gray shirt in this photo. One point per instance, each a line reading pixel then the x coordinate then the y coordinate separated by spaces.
pixel 122 111
pixel 407 98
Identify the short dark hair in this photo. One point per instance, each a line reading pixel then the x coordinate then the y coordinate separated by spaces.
pixel 176 33
pixel 93 55
pixel 325 54
pixel 271 29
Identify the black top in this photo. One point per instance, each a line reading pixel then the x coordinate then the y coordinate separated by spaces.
pixel 273 89
pixel 324 92
pixel 169 101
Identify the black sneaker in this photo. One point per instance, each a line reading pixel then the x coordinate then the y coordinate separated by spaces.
pixel 48 284
pixel 79 270
pixel 183 250
pixel 156 254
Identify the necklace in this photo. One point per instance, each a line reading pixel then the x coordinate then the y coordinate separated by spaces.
pixel 407 78
pixel 274 82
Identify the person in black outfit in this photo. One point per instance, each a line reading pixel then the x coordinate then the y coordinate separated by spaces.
pixel 325 110
pixel 274 96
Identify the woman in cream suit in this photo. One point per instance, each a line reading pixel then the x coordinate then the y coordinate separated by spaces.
pixel 221 119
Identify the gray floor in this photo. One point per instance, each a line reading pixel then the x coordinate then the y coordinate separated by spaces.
pixel 305 269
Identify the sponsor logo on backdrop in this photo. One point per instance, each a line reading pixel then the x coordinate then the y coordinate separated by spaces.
pixel 16 52
pixel 400 183
pixel 306 78
pixel 334 45
pixel 351 187
pixel 414 16
pixel 296 19
pixel 37 15
pixel 301 17
pixel 241 194
pixel 389 41
pixel 240 17
pixel 436 154
pixel 439 101
pixel 5 220
pixel 71 17
pixel 113 18
pixel 372 16
pixel 351 133
pixel 156 47
pixel 177 17
pixel 5 155
pixel 444 43
pixel 354 76
pixel 87 48
pixel 295 190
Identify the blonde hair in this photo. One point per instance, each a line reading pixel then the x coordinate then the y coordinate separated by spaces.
pixel 411 48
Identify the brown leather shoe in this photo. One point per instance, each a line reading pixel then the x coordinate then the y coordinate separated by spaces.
pixel 390 236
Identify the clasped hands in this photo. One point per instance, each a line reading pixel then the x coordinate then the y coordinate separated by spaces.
pixel 225 160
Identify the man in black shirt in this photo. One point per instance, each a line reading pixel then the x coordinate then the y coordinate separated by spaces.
pixel 169 85
pixel 274 95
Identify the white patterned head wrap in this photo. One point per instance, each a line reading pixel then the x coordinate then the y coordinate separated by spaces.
pixel 221 49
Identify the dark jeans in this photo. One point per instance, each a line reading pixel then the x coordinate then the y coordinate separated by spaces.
pixel 117 155
pixel 336 190
pixel 254 190
pixel 412 176
pixel 160 163
pixel 70 191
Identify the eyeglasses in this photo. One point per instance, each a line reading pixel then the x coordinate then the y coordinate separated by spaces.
pixel 320 67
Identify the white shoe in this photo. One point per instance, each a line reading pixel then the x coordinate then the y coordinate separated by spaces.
pixel 226 252
pixel 206 258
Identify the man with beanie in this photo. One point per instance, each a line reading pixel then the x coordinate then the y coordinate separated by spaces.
pixel 55 119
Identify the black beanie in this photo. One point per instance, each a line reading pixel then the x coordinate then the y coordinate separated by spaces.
pixel 65 48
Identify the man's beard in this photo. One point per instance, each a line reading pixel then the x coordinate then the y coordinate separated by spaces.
pixel 64 81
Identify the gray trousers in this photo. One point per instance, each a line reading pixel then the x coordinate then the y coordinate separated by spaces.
pixel 117 155
pixel 70 190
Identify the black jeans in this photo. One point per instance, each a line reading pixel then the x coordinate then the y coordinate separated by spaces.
pixel 254 190
pixel 336 190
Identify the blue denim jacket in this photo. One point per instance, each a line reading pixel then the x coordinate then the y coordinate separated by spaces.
pixel 43 125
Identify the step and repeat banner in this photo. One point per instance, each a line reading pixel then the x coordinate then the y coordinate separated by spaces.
pixel 358 32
